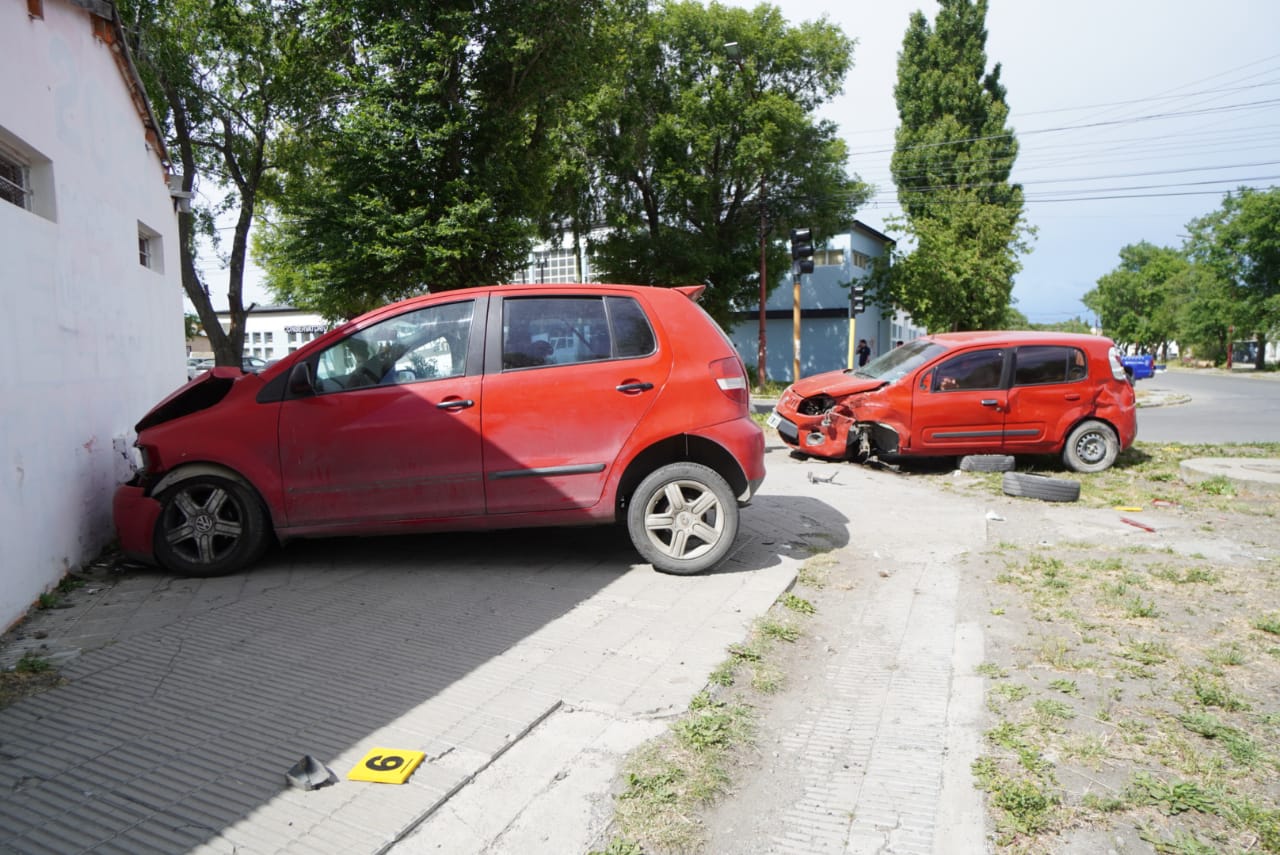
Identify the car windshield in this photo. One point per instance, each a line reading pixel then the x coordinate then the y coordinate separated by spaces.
pixel 900 361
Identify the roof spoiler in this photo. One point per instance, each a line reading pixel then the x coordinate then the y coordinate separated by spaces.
pixel 693 292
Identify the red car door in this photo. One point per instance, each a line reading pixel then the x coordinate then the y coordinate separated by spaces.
pixel 1050 393
pixel 568 379
pixel 393 431
pixel 959 406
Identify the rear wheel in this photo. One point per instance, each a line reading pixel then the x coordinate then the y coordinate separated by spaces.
pixel 683 518
pixel 1091 447
pixel 209 526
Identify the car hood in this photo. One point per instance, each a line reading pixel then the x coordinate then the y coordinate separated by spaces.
pixel 207 389
pixel 837 384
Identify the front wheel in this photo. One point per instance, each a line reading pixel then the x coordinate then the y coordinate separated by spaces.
pixel 683 518
pixel 1091 447
pixel 209 526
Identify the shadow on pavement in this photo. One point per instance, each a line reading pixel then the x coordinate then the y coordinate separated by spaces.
pixel 186 724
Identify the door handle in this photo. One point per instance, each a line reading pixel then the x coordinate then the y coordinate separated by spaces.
pixel 1073 397
pixel 456 404
pixel 628 388
pixel 990 402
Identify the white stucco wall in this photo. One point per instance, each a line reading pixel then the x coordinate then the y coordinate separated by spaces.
pixel 91 338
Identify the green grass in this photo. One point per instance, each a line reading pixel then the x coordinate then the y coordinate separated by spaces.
pixel 30 663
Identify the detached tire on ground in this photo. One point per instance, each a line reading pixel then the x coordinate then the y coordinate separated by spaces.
pixel 986 462
pixel 209 526
pixel 1040 487
pixel 683 518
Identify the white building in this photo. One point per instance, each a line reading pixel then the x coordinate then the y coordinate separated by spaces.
pixel 90 295
pixel 273 332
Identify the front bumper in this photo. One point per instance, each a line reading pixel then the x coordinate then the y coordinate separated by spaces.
pixel 135 516
pixel 826 437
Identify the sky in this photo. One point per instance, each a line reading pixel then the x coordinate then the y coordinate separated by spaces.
pixel 1133 118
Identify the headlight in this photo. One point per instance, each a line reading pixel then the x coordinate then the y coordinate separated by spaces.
pixel 816 406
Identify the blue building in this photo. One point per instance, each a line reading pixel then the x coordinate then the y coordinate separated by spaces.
pixel 826 330
pixel 824 304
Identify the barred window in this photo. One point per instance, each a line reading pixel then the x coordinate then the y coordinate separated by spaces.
pixel 15 181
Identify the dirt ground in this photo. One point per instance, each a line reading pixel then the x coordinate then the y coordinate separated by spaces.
pixel 1132 667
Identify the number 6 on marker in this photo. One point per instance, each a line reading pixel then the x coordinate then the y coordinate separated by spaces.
pixel 386 766
pixel 378 763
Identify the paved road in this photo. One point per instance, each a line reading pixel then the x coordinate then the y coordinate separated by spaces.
pixel 1230 408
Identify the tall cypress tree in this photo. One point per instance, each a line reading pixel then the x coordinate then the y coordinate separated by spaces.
pixel 951 163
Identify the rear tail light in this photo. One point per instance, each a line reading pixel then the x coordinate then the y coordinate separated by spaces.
pixel 1117 365
pixel 731 377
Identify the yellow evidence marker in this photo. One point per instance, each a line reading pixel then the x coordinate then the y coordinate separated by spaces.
pixel 386 766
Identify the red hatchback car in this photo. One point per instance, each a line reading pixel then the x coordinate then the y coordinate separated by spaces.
pixel 486 408
pixel 970 393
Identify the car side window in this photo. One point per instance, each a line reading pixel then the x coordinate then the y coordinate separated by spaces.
pixel 632 335
pixel 980 369
pixel 539 331
pixel 426 344
pixel 1041 364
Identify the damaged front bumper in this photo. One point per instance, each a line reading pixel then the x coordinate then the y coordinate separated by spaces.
pixel 135 514
pixel 836 435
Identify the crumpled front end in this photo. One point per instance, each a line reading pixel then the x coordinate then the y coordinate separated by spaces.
pixel 818 425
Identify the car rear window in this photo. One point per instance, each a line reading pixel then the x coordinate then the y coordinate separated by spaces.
pixel 1040 364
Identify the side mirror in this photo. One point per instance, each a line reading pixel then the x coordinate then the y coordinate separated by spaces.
pixel 300 383
pixel 926 379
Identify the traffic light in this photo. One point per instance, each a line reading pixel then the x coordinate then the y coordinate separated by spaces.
pixel 802 250
pixel 858 300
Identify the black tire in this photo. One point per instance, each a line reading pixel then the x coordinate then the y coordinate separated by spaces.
pixel 986 462
pixel 209 526
pixel 683 518
pixel 1091 447
pixel 1040 487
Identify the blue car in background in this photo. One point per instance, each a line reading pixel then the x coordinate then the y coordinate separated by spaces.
pixel 1139 367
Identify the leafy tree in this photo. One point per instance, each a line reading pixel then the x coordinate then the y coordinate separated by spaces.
pixel 225 77
pixel 1134 302
pixel 951 163
pixel 1240 243
pixel 1014 320
pixel 436 172
pixel 1074 325
pixel 1204 311
pixel 693 159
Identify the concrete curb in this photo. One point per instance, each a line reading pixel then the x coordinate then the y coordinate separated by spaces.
pixel 1247 474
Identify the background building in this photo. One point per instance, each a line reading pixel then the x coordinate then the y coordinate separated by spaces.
pixel 273 332
pixel 824 311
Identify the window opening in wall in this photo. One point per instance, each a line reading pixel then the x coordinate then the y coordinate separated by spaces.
pixel 150 253
pixel 15 181
pixel 26 177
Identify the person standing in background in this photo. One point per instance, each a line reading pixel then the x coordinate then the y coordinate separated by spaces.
pixel 864 352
